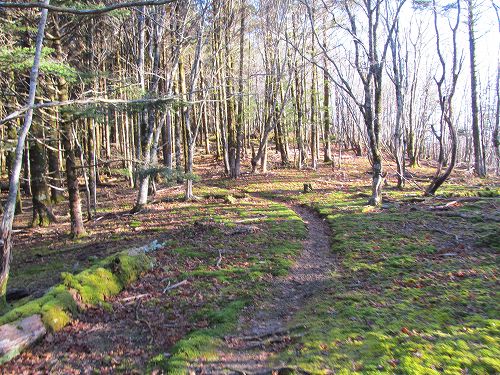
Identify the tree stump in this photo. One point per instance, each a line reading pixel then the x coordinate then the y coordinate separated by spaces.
pixel 308 188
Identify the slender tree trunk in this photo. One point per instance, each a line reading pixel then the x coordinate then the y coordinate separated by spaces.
pixel 10 158
pixel 314 124
pixel 8 215
pixel 479 157
pixel 151 133
pixel 496 131
pixel 75 210
pixel 327 157
pixel 240 116
pixel 167 140
pixel 445 103
pixel 398 85
pixel 42 212
pixel 56 194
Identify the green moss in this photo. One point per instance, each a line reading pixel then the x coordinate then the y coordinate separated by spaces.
pixel 248 261
pixel 487 192
pixel 135 223
pixel 99 282
pixel 54 317
pixel 129 268
pixel 93 285
pixel 201 344
pixel 189 252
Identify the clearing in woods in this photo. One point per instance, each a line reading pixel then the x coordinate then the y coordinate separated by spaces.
pixel 268 278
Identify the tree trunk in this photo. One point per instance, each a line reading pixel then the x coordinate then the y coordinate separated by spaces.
pixel 42 213
pixel 327 157
pixel 67 138
pixel 240 116
pixel 167 141
pixel 10 158
pixel 56 193
pixel 75 209
pixel 496 131
pixel 479 157
pixel 8 216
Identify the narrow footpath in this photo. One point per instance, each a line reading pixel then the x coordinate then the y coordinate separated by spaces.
pixel 264 328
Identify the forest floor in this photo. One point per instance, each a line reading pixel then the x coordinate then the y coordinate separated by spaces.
pixel 276 279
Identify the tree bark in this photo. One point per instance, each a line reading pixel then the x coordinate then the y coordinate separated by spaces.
pixel 67 140
pixel 479 157
pixel 8 216
pixel 42 213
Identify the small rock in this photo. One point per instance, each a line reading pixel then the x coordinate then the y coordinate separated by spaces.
pixel 245 229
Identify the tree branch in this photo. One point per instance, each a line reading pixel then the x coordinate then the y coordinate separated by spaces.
pixel 84 12
pixel 152 101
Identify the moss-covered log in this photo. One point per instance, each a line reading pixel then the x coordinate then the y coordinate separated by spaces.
pixel 61 303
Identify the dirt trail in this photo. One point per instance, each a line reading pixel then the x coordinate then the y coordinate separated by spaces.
pixel 263 330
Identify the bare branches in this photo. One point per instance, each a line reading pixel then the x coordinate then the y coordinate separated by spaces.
pixel 84 12
pixel 445 103
pixel 149 102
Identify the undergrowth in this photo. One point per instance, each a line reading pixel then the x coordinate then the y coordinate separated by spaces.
pixel 249 261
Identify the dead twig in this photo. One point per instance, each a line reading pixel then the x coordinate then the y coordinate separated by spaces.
pixel 445 207
pixel 219 260
pixel 133 298
pixel 170 287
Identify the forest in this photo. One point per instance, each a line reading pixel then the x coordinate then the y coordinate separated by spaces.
pixel 249 186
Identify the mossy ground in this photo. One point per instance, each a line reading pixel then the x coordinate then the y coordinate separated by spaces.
pixel 402 301
pixel 415 288
pixel 249 261
pixel 413 292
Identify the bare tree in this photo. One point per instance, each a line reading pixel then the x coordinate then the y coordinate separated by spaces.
pixel 479 155
pixel 369 62
pixel 446 91
pixel 398 79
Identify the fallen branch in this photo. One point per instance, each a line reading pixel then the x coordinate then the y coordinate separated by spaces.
pixel 133 298
pixel 170 287
pixel 219 260
pixel 446 206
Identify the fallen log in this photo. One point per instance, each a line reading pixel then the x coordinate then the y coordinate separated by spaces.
pixel 57 308
pixel 19 335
